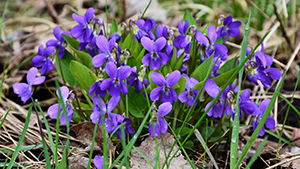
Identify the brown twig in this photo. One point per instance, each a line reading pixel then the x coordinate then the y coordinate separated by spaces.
pixel 52 12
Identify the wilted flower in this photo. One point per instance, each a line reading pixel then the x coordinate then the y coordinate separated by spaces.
pixel 23 90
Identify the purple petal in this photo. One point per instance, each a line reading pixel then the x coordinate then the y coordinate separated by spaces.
pixel 38 80
pixel 148 44
pixel 221 50
pixel 112 103
pixel 270 123
pixel 160 43
pixel 26 95
pixel 93 88
pixel 52 42
pixel 57 33
pixel 79 19
pixel 20 88
pixel 31 74
pixel 111 69
pixel 164 109
pixel 102 43
pixel 273 73
pixel 98 161
pixel 211 88
pixel 124 72
pixel 158 79
pixel 38 61
pixel 49 65
pixel 64 92
pixel 263 106
pixel 201 38
pixel 146 58
pixel 52 111
pixel 41 50
pixel 183 96
pixel 150 130
pixel 227 20
pixel 235 24
pixel 163 125
pixel 173 78
pixel 164 58
pixel 62 119
pixel 234 32
pixel 106 83
pixel 245 95
pixel 123 88
pixel 154 95
pixel 211 33
pixel 89 14
pixel 114 90
pixel 99 59
pixel 61 51
pixel 166 97
pixel 77 31
pixel 155 64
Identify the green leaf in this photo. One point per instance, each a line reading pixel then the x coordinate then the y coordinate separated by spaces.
pixel 132 61
pixel 181 83
pixel 137 102
pixel 113 26
pixel 141 55
pixel 137 49
pixel 166 69
pixel 178 63
pixel 188 17
pixel 189 144
pixel 84 58
pixel 229 65
pixel 222 79
pixel 174 57
pixel 65 65
pixel 127 42
pixel 84 76
pixel 220 40
pixel 203 69
pixel 184 131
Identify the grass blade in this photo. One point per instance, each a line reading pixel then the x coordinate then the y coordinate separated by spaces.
pixel 92 147
pixel 3 16
pixel 257 153
pixel 13 158
pixel 236 123
pixel 5 117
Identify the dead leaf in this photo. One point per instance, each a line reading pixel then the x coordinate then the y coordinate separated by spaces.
pixel 147 148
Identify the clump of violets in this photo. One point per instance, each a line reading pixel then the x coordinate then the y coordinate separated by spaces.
pixel 24 90
pixel 54 110
pixel 42 59
pixel 158 123
pixel 165 86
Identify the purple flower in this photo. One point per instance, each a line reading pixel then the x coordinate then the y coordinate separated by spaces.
pixel 144 29
pixel 98 161
pixel 217 109
pixel 265 60
pixel 58 42
pixel 189 96
pixel 83 30
pixel 219 49
pixel 155 55
pixel 119 119
pixel 115 84
pixel 105 51
pixel 167 93
pixel 53 110
pixel 160 124
pixel 229 28
pixel 97 89
pixel 135 81
pixel 42 60
pixel 23 90
pixel 162 31
pixel 256 71
pixel 108 116
pixel 270 122
pixel 183 40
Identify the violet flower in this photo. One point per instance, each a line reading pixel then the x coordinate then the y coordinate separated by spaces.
pixel 162 31
pixel 83 30
pixel 209 42
pixel 58 42
pixel 270 122
pixel 167 93
pixel 134 80
pixel 155 55
pixel 106 109
pixel 97 89
pixel 53 110
pixel 184 40
pixel 144 29
pixel 160 124
pixel 119 119
pixel 98 161
pixel 23 90
pixel 42 60
pixel 189 96
pixel 265 59
pixel 105 51
pixel 217 109
pixel 115 84
pixel 230 28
